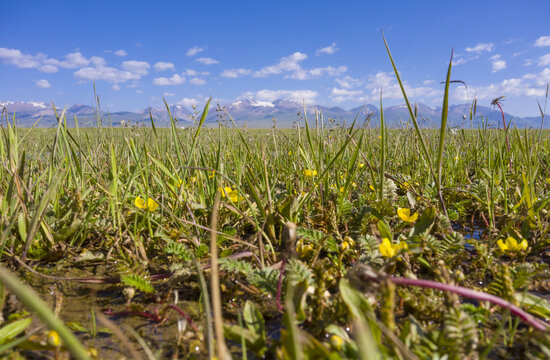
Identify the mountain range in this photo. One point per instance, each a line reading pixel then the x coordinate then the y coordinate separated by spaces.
pixel 259 114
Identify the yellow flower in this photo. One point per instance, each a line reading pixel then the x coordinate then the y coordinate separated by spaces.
pixel 337 342
pixel 342 189
pixel 380 136
pixel 372 187
pixel 353 184
pixel 387 249
pixel 52 338
pixel 405 215
pixel 149 205
pixel 303 249
pixel 310 173
pixel 511 245
pixel 347 243
pixel 233 195
pixel 289 152
pixel 361 165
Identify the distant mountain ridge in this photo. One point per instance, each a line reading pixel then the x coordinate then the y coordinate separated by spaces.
pixel 261 114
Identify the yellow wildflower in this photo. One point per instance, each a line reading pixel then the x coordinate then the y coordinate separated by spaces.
pixel 289 152
pixel 372 187
pixel 511 245
pixel 310 173
pixel 361 165
pixel 342 189
pixel 337 342
pixel 405 215
pixel 303 249
pixel 233 195
pixel 388 249
pixel 53 339
pixel 353 184
pixel 347 243
pixel 149 205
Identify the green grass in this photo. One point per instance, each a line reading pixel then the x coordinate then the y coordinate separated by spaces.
pixel 72 191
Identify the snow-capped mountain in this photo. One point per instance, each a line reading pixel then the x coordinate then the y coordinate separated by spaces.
pixel 258 114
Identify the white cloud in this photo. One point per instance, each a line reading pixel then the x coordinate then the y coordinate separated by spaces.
pixel 168 94
pixel 271 95
pixel 187 102
pixel 191 72
pixel 498 63
pixel 207 61
pixel 528 62
pixel 235 73
pixel 543 41
pixel 136 67
pixel 329 70
pixel 43 84
pixel 481 47
pixel 131 70
pixel 120 53
pixel 392 90
pixel 197 81
pixel 41 61
pixel 531 85
pixel 348 82
pixel 288 63
pixel 175 79
pixel 341 95
pixel 544 60
pixel 193 51
pixel 116 87
pixel 73 61
pixel 331 49
pixel 459 59
pixel 163 66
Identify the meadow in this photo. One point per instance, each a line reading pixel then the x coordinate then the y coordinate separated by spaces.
pixel 401 243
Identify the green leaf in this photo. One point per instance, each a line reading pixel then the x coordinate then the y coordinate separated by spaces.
pixel 426 221
pixel 138 283
pixel 13 329
pixel 385 230
pixel 253 318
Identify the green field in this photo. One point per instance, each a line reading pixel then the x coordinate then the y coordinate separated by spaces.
pixel 114 229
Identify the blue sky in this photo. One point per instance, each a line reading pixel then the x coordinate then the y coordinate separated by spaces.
pixel 326 52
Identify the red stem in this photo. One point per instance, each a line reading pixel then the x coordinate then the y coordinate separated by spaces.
pixel 472 294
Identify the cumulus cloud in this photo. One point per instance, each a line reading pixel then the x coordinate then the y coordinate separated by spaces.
pixel 543 41
pixel 131 70
pixel 531 84
pixel 193 51
pixel 287 63
pixel 41 61
pixel 331 49
pixel 207 61
pixel 271 95
pixel 175 79
pixel 341 95
pixel 120 53
pixel 348 82
pixel 163 66
pixel 197 81
pixel 136 67
pixel 43 84
pixel 481 47
pixel 187 102
pixel 391 89
pixel 544 60
pixel 498 63
pixel 235 73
